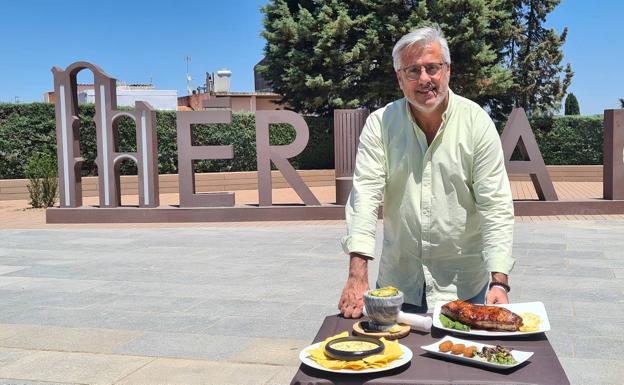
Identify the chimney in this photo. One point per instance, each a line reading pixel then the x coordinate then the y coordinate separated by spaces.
pixel 222 81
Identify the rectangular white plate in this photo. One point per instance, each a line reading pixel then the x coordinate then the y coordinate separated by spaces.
pixel 518 355
pixel 518 308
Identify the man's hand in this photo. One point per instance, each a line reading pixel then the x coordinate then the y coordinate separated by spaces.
pixel 352 298
pixel 497 295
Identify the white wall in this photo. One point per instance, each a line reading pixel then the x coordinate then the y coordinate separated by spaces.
pixel 158 99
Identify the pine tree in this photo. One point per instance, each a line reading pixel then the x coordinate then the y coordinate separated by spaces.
pixel 334 54
pixel 330 54
pixel 571 105
pixel 338 54
pixel 534 54
pixel 477 32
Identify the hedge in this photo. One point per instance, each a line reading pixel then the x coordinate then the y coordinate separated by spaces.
pixel 26 129
pixel 570 139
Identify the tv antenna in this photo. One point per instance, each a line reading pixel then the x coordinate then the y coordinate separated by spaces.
pixel 188 75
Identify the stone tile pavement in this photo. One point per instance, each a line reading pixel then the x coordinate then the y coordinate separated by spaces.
pixel 208 304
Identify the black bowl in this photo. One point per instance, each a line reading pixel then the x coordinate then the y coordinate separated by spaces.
pixel 353 355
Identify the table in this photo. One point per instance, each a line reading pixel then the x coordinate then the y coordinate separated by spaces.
pixel 542 368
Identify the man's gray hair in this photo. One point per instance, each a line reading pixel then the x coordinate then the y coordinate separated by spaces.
pixel 420 36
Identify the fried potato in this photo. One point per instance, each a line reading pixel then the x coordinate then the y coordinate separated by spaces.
pixel 469 351
pixel 458 349
pixel 445 346
pixel 530 322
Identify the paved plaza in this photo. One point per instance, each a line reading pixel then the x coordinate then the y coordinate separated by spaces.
pixel 234 304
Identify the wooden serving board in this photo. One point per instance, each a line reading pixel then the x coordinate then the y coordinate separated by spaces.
pixel 405 329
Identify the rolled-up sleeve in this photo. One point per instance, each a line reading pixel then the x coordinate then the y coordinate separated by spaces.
pixel 493 198
pixel 368 185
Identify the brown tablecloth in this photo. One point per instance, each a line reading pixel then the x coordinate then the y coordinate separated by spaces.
pixel 542 368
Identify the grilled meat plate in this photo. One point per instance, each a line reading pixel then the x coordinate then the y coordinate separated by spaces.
pixel 482 317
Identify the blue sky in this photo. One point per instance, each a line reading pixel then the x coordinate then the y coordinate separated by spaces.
pixel 139 41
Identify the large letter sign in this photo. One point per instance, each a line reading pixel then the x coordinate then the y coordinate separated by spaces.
pixel 279 155
pixel 187 153
pixel 613 169
pixel 108 159
pixel 220 206
pixel 518 132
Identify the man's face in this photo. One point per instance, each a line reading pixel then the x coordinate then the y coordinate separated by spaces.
pixel 426 92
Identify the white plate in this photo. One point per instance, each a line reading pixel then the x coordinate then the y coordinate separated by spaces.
pixel 305 358
pixel 518 308
pixel 518 355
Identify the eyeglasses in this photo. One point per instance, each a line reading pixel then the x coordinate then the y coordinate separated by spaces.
pixel 413 72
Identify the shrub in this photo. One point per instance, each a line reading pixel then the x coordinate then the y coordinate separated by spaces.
pixel 26 129
pixel 41 172
pixel 241 134
pixel 570 139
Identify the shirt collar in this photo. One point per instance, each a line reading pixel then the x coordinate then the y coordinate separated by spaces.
pixel 449 107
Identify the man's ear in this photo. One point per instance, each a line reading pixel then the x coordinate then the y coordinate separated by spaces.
pixel 398 75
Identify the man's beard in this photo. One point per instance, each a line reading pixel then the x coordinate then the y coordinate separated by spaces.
pixel 440 95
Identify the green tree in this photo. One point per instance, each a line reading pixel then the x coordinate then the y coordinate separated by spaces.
pixel 326 55
pixel 477 33
pixel 338 54
pixel 534 55
pixel 621 103
pixel 571 105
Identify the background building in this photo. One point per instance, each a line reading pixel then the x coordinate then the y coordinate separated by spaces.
pixel 127 94
pixel 215 93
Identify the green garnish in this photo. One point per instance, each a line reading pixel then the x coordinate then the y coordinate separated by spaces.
pixel 497 355
pixel 450 324
pixel 504 359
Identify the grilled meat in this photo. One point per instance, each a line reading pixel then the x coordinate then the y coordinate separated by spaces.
pixel 482 317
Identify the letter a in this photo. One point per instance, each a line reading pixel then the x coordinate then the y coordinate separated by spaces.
pixel 518 132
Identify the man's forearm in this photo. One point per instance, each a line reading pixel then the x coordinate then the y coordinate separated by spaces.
pixel 358 266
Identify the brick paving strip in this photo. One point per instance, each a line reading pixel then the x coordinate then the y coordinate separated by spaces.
pixel 212 303
pixel 16 214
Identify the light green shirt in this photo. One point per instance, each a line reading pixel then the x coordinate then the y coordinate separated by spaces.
pixel 448 210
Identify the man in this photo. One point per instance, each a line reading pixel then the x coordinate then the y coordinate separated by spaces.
pixel 437 160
